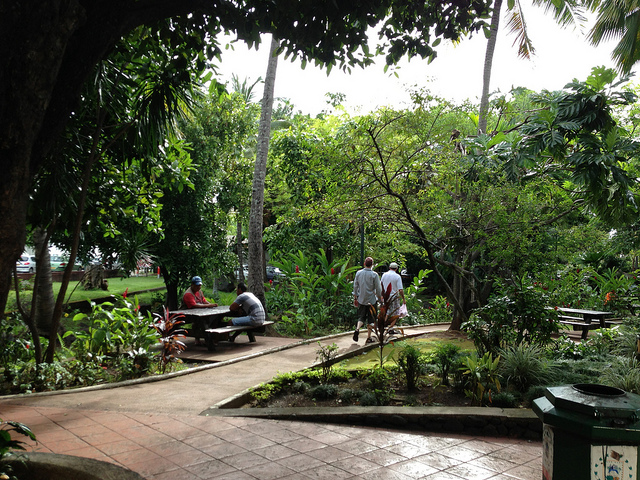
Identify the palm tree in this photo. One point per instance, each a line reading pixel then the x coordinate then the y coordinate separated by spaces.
pixel 618 19
pixel 565 12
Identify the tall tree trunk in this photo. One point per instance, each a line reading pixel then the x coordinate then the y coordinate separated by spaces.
pixel 239 251
pixel 256 221
pixel 172 290
pixel 44 299
pixel 488 64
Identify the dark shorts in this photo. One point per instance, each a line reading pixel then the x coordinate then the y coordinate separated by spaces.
pixel 365 315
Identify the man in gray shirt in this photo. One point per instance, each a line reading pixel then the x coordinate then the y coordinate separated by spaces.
pixel 366 292
pixel 249 303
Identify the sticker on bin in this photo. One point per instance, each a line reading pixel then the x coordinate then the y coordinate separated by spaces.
pixel 614 462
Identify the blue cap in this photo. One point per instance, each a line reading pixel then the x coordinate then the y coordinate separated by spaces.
pixel 196 280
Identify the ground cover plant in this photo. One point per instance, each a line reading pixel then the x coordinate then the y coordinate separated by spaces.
pixel 112 342
pixel 414 375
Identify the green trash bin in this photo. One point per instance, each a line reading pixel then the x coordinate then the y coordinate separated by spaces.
pixel 589 432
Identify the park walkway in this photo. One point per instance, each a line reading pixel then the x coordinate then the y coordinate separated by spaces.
pixel 156 428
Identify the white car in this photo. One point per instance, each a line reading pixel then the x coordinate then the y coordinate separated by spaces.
pixel 26 264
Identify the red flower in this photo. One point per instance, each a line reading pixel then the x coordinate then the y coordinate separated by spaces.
pixel 27 346
pixel 297 269
pixel 332 271
pixel 556 307
pixel 271 282
pixel 126 292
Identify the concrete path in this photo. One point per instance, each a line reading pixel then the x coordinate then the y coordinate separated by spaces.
pixel 155 428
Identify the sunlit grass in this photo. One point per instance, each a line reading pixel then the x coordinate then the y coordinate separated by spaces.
pixel 426 344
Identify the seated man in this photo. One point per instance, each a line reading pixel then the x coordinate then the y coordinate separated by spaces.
pixel 250 305
pixel 194 298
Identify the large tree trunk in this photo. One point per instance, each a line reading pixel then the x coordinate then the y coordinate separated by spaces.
pixel 256 257
pixel 172 290
pixel 30 69
pixel 488 64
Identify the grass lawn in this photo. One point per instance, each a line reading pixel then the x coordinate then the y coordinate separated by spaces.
pixel 117 286
pixel 426 344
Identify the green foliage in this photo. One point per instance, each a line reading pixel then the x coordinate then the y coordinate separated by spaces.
pixel 504 400
pixel 315 293
pixel 481 377
pixel 412 293
pixel 624 373
pixel 619 292
pixel 15 340
pixel 110 329
pixel 523 366
pixel 30 377
pixel 169 328
pixel 445 356
pixel 411 361
pixel 323 392
pixel 265 391
pixel 326 354
pixel 517 313
pixel 7 443
pixel 379 382
pixel 598 345
pixel 439 310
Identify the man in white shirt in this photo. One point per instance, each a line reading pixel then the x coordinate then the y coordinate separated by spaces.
pixel 391 277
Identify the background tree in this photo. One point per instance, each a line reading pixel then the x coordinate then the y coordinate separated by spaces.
pixel 256 223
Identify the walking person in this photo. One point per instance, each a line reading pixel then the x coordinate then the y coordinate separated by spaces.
pixel 366 292
pixel 393 278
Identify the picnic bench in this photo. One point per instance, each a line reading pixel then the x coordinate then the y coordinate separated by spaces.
pixel 207 323
pixel 585 320
pixel 231 332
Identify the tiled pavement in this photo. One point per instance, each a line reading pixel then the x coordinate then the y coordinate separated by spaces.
pixel 191 447
pixel 161 436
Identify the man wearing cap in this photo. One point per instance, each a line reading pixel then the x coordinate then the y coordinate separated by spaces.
pixel 391 277
pixel 194 298
pixel 366 292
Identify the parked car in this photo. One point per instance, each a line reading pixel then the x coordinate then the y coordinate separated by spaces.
pixel 59 263
pixel 274 273
pixel 26 264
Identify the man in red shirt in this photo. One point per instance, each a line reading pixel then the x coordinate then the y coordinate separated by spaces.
pixel 194 298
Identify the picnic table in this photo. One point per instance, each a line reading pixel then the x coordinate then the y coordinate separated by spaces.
pixel 207 323
pixel 585 320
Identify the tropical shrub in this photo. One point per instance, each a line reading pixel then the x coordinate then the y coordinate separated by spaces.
pixel 8 443
pixel 445 356
pixel 412 362
pixel 439 311
pixel 523 366
pixel 169 329
pixel 519 312
pixel 481 377
pixel 624 373
pixel 314 296
pixel 110 329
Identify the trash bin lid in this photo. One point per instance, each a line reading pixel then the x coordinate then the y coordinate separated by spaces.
pixel 596 401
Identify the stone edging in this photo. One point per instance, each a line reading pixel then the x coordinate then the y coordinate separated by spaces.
pixel 475 421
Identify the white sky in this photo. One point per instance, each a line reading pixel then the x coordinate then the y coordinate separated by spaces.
pixel 456 73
